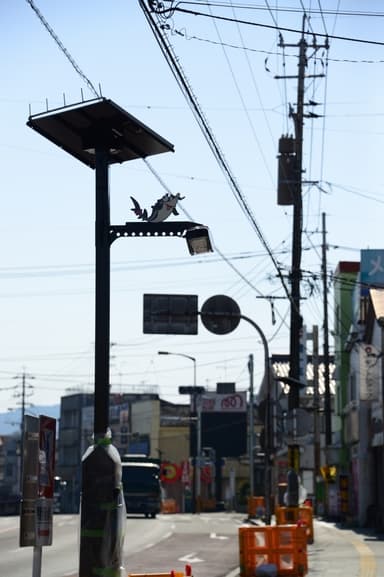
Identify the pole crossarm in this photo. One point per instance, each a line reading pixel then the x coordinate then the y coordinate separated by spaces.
pixel 149 229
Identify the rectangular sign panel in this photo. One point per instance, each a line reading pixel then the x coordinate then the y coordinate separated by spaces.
pixel 170 314
pixel 47 456
pixel 226 433
pixel 30 480
pixel 38 479
pixel 223 403
pixel 371 269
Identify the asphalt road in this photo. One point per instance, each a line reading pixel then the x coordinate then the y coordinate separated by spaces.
pixel 208 542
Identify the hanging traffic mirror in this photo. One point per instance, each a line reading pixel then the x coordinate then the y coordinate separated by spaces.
pixel 220 314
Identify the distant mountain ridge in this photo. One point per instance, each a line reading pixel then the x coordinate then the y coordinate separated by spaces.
pixel 10 422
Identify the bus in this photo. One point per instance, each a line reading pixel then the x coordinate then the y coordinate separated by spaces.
pixel 141 485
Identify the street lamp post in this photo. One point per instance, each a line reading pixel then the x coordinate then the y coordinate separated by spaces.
pixel 194 432
pixel 100 133
pixel 268 422
pixel 221 315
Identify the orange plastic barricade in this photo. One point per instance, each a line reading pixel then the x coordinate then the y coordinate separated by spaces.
pixel 256 507
pixel 291 550
pixel 302 516
pixel 168 574
pixel 284 546
pixel 188 573
pixel 168 506
pixel 255 549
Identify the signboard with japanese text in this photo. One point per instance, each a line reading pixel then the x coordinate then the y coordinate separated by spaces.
pixel 30 475
pixel 371 269
pixel 224 422
pixel 344 494
pixel 47 451
pixel 223 403
pixel 369 369
pixel 38 479
pixel 170 314
pixel 377 429
pixel 185 473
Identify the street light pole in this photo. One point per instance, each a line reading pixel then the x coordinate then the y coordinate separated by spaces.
pixel 267 422
pixel 195 433
pixel 251 429
pixel 102 295
pixel 221 315
pixel 100 133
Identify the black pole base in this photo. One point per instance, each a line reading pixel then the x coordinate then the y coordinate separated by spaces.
pixel 103 513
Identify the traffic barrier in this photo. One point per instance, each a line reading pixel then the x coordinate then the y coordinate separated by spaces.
pixel 284 546
pixel 291 550
pixel 172 573
pixel 168 574
pixel 302 516
pixel 256 507
pixel 255 548
pixel 168 506
pixel 205 505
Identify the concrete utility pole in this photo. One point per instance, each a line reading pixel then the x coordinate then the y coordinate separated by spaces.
pixel 296 318
pixel 290 179
pixel 316 409
pixel 23 377
pixel 327 388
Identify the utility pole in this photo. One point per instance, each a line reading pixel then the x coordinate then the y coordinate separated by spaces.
pixel 290 192
pixel 327 388
pixel 296 318
pixel 316 409
pixel 24 376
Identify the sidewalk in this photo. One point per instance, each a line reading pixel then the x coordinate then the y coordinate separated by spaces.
pixel 338 551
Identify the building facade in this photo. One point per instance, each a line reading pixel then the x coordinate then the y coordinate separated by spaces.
pixel 359 347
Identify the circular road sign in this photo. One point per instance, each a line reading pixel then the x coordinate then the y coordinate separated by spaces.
pixel 220 314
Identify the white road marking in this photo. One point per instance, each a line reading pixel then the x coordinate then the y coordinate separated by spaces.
pixel 189 558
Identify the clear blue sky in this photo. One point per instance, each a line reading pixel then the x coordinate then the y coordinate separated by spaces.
pixel 48 204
